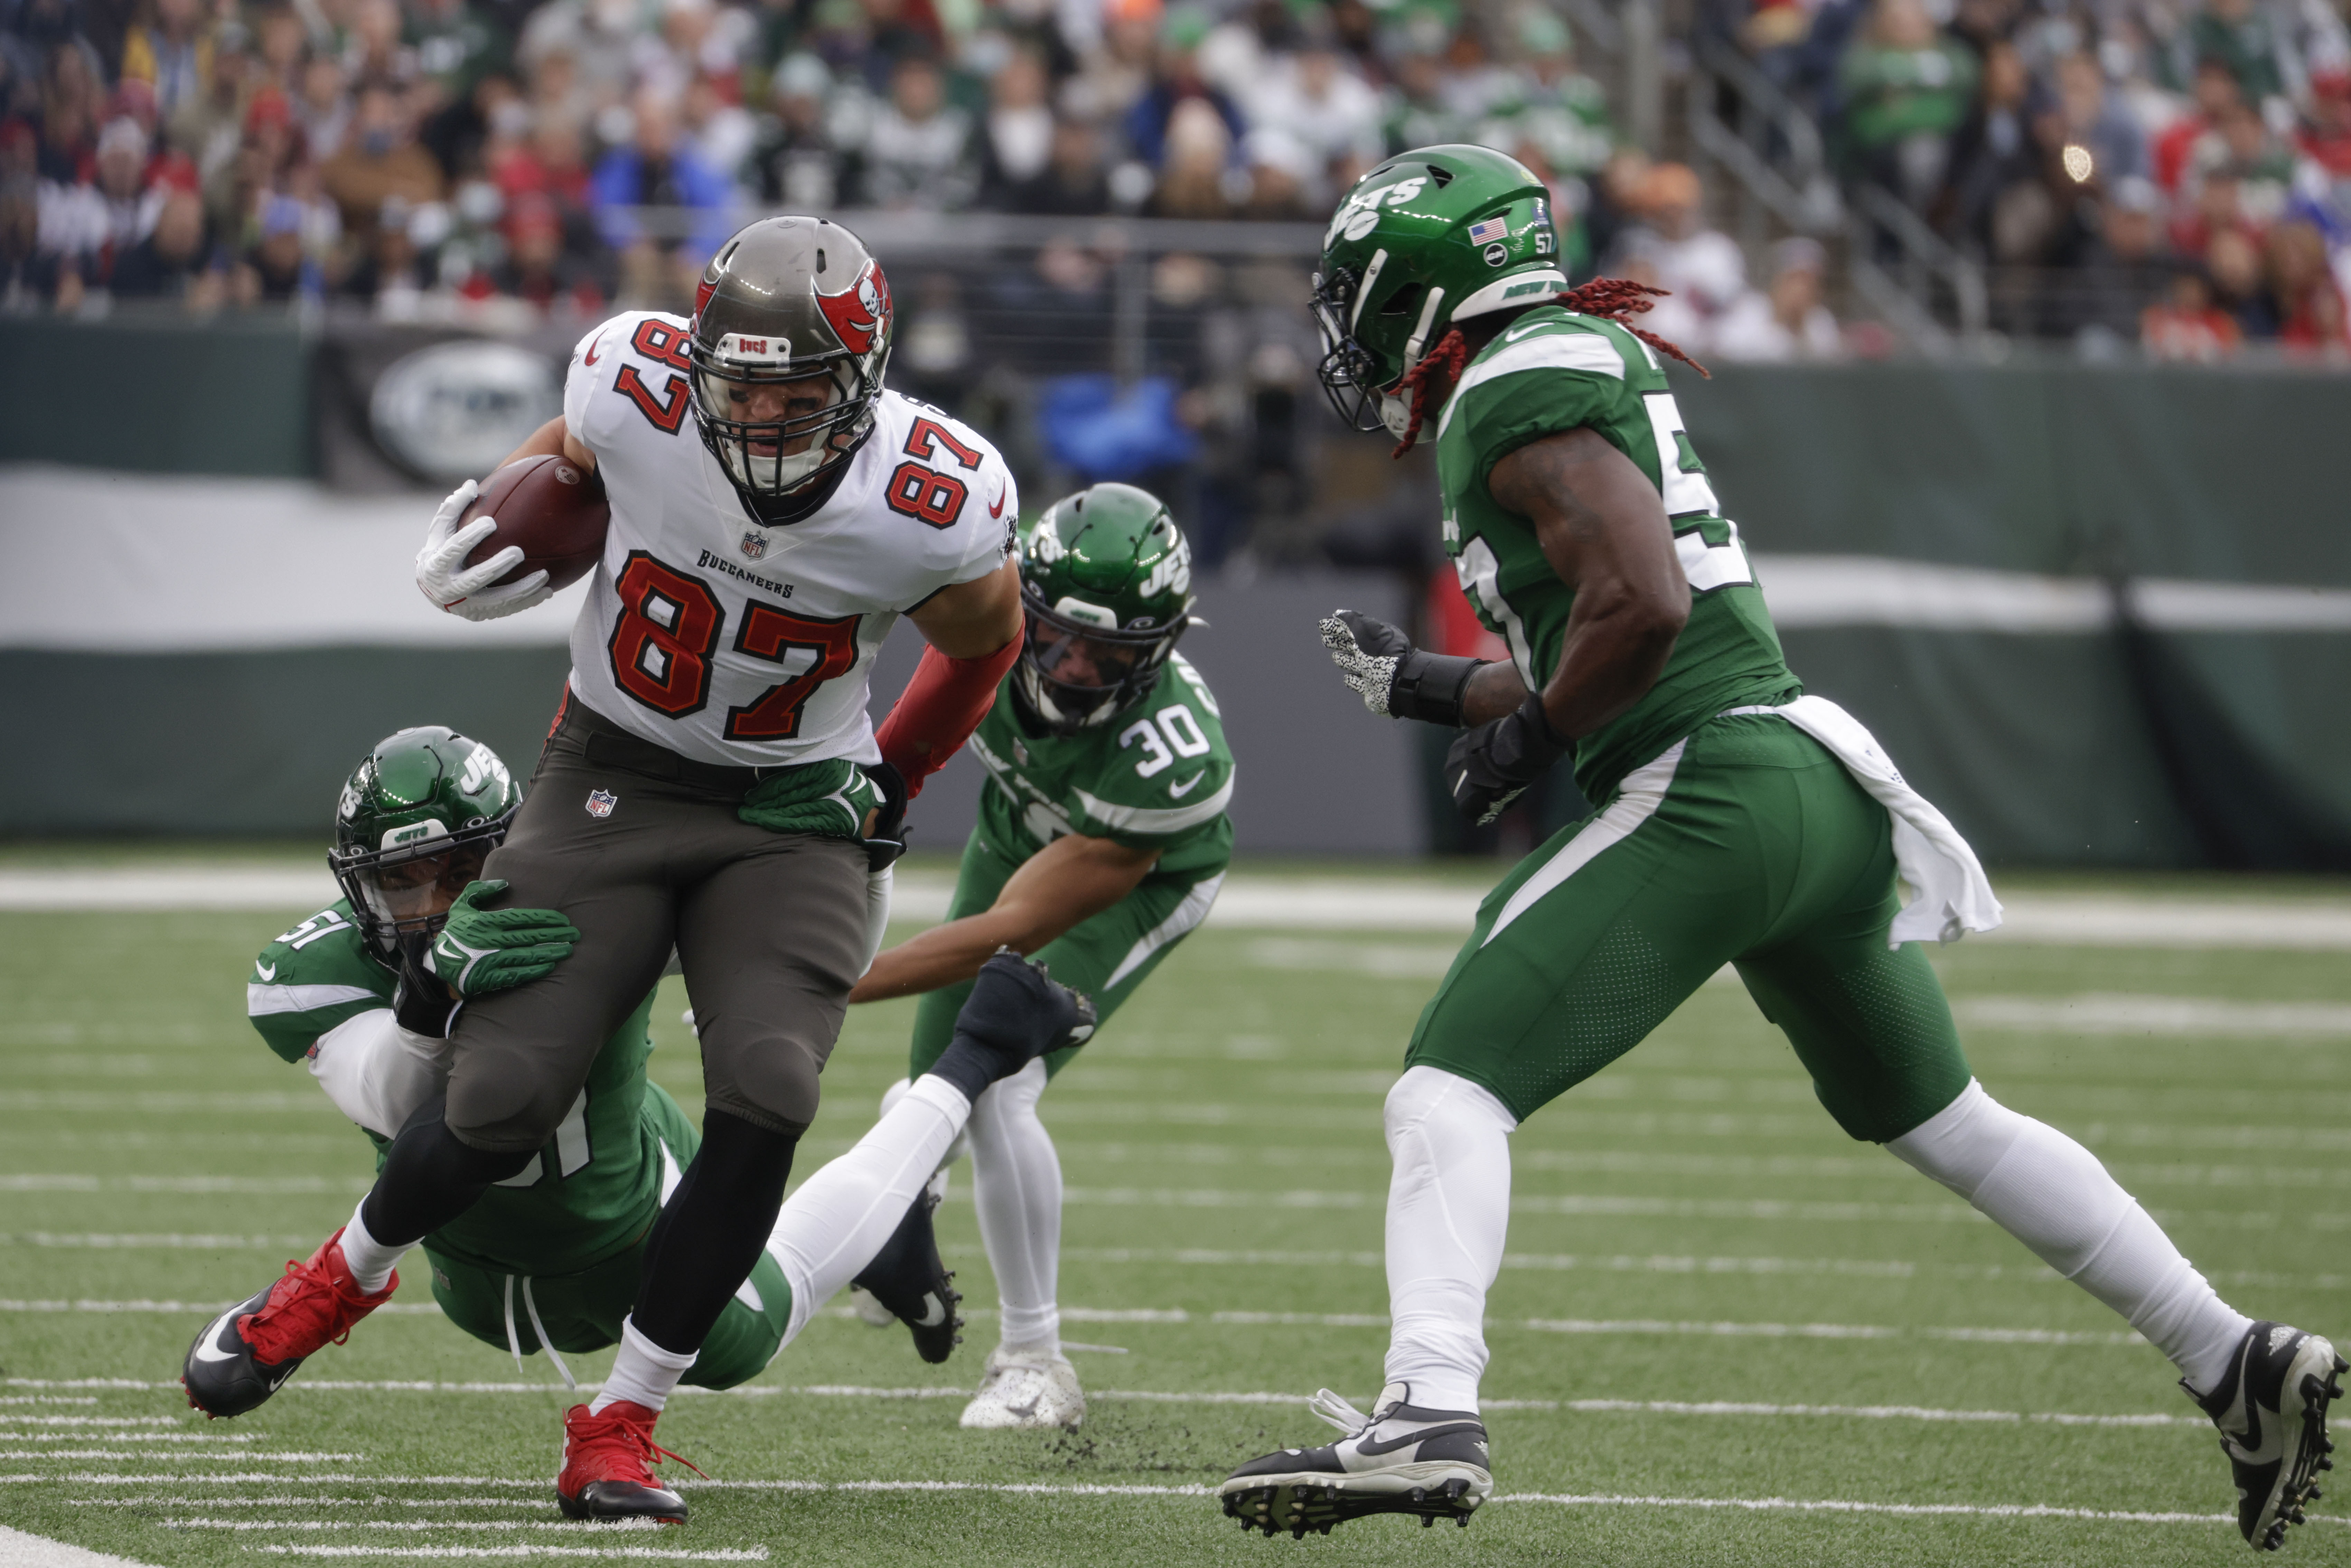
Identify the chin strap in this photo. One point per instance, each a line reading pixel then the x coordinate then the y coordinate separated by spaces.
pixel 1430 380
pixel 940 707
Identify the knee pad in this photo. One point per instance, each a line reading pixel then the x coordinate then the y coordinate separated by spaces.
pixel 519 1114
pixel 764 1076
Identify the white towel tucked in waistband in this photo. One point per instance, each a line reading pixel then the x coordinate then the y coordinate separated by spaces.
pixel 1950 895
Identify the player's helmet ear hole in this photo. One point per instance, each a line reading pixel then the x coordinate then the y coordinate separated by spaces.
pixel 1404 300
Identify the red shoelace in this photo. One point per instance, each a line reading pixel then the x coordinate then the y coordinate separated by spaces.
pixel 307 1310
pixel 614 1448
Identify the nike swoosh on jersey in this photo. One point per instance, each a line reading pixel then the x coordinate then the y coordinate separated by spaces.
pixel 1178 791
pixel 208 1348
pixel 997 509
pixel 589 357
pixel 1512 336
pixel 267 972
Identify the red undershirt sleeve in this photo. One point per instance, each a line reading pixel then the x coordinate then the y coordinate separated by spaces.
pixel 939 710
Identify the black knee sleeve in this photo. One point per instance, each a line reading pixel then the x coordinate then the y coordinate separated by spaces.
pixel 711 1231
pixel 430 1179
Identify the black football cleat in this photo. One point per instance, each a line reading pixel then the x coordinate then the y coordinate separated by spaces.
pixel 908 1280
pixel 1398 1460
pixel 2272 1413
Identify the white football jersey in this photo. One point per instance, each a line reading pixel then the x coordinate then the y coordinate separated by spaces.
pixel 731 642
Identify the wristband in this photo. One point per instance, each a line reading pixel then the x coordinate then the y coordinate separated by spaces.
pixel 1431 686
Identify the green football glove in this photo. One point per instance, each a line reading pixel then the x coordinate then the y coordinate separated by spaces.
pixel 482 950
pixel 827 799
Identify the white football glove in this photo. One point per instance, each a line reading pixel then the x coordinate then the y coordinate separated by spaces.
pixel 444 577
pixel 1367 653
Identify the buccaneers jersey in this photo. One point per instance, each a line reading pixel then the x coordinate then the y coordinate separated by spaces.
pixel 732 642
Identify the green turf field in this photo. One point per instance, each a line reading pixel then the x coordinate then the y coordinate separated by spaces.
pixel 1725 1334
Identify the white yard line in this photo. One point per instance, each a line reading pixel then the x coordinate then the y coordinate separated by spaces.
pixel 48 1181
pixel 85 1304
pixel 241 1456
pixel 172 1240
pixel 413 1525
pixel 649 1553
pixel 20 1549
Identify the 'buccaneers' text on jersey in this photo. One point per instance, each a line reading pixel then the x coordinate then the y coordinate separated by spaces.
pixel 728 641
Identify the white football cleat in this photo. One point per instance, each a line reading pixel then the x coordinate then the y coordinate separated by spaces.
pixel 1400 1459
pixel 1026 1391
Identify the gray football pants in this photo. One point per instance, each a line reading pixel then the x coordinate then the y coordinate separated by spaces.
pixel 769 929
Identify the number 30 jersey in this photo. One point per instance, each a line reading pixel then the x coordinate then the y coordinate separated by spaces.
pixel 1555 369
pixel 732 642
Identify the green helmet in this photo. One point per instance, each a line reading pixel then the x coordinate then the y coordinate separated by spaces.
pixel 416 820
pixel 1106 580
pixel 1429 238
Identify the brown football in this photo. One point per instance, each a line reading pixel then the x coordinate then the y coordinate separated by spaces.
pixel 553 509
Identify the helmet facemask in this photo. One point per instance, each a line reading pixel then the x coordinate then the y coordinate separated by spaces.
pixel 769 458
pixel 1076 672
pixel 401 893
pixel 1368 393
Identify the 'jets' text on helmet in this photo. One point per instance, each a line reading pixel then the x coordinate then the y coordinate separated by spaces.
pixel 798 306
pixel 1429 238
pixel 416 823
pixel 1107 580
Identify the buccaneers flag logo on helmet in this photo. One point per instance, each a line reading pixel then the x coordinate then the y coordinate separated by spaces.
pixel 859 314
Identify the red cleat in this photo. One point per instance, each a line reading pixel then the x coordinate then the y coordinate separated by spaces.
pixel 247 1352
pixel 608 1467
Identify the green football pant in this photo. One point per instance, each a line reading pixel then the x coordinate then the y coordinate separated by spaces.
pixel 1748 844
pixel 583 1312
pixel 1106 955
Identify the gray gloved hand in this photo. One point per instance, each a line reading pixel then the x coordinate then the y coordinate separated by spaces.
pixel 1396 679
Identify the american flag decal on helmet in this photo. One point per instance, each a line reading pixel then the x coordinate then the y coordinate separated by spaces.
pixel 1490 229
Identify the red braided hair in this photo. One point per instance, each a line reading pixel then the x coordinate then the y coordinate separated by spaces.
pixel 1611 299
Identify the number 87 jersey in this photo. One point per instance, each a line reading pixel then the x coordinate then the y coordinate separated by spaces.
pixel 733 641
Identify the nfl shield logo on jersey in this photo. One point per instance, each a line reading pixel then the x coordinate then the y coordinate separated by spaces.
pixel 755 543
pixel 600 802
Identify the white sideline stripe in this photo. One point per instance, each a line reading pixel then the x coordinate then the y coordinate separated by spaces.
pixel 22 1549
pixel 318 1501
pixel 80 1420
pixel 159 1240
pixel 575 1526
pixel 54 1181
pixel 1258 1396
pixel 720 1555
pixel 52 1399
pixel 1816 591
pixel 2101 1012
pixel 1262 902
pixel 408 1308
pixel 240 1456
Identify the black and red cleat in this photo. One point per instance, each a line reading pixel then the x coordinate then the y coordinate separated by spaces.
pixel 608 1467
pixel 247 1352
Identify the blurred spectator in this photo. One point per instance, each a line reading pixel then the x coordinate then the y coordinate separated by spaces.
pixel 721 133
pixel 454 45
pixel 1554 107
pixel 919 151
pixel 797 164
pixel 596 38
pixel 1413 109
pixel 1017 137
pixel 31 278
pixel 1197 151
pixel 2215 96
pixel 322 108
pixel 539 269
pixel 2234 258
pixel 1702 265
pixel 168 263
pixel 173 53
pixel 1321 119
pixel 378 158
pixel 2304 294
pixel 1907 89
pixel 209 127
pixel 71 97
pixel 2120 272
pixel 1176 81
pixel 97 222
pixel 1790 323
pixel 390 273
pixel 277 266
pixel 653 169
pixel 1075 183
pixel 2098 123
pixel 2326 139
pixel 2239 34
pixel 2188 324
pixel 1994 150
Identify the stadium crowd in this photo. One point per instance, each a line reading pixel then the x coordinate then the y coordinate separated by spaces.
pixel 2174 171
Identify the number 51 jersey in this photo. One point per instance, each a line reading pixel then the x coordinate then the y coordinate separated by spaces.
pixel 732 642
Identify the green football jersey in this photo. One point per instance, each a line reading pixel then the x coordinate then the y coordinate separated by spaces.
pixel 1553 370
pixel 1157 775
pixel 588 1195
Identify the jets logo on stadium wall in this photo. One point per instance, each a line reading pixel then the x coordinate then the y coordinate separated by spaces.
pixel 859 314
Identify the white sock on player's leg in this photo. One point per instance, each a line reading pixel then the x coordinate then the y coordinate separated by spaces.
pixel 835 1221
pixel 643 1373
pixel 2053 1195
pixel 1448 1214
pixel 369 1260
pixel 1016 1189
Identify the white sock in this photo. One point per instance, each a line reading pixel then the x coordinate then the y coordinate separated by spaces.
pixel 643 1373
pixel 369 1260
pixel 838 1218
pixel 1016 1177
pixel 2053 1195
pixel 1449 1213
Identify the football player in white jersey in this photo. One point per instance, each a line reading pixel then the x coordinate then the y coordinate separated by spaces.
pixel 711 783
